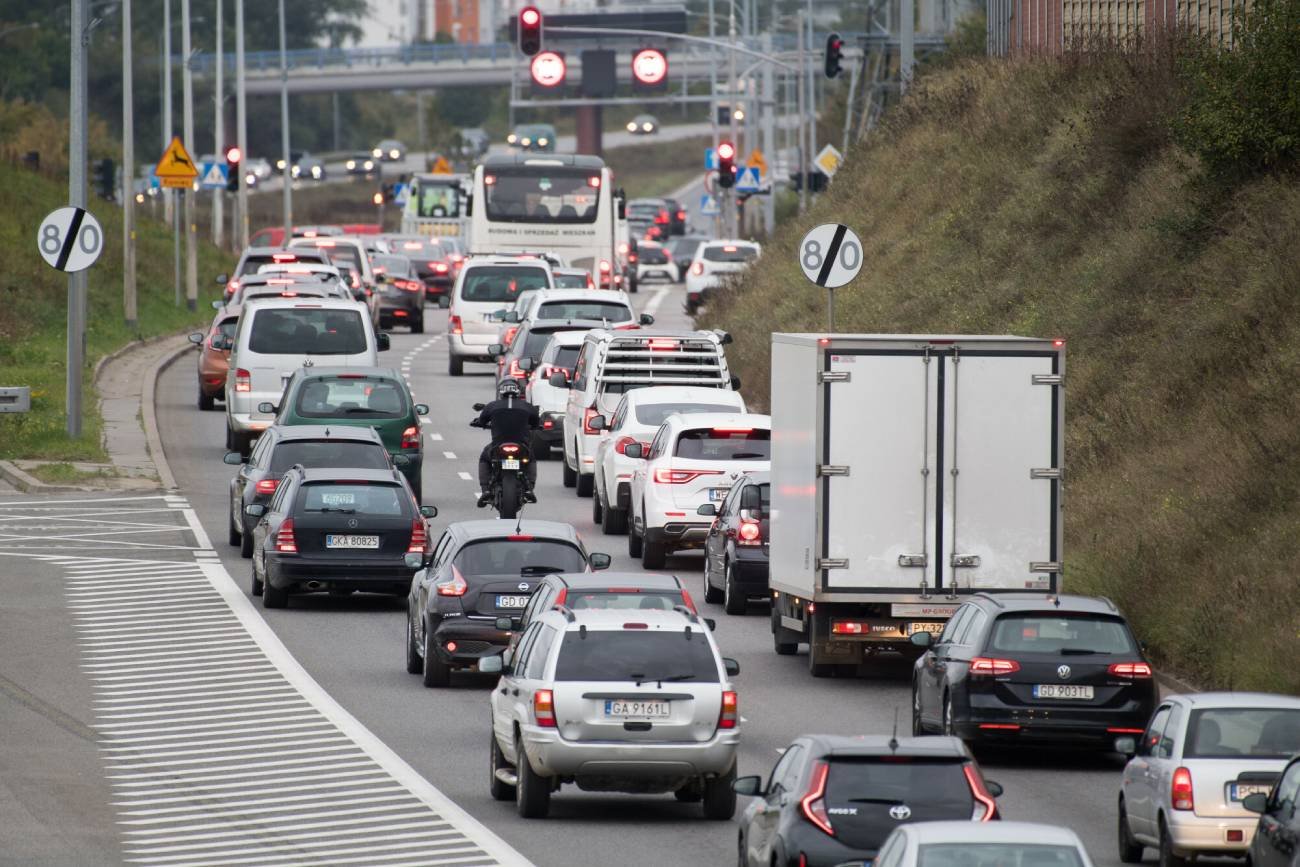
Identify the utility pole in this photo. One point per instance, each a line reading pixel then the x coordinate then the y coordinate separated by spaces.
pixel 802 94
pixel 713 116
pixel 128 174
pixel 76 360
pixel 241 126
pixel 768 106
pixel 191 229
pixel 907 44
pixel 810 79
pixel 284 134
pixel 171 211
pixel 730 204
pixel 218 136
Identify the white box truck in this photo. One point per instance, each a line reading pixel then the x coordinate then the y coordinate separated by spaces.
pixel 908 472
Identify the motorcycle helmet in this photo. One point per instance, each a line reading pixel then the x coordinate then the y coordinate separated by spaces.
pixel 509 388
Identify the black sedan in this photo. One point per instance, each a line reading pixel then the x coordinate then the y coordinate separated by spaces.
pixel 466 600
pixel 1016 668
pixel 735 551
pixel 338 530
pixel 399 293
pixel 281 447
pixel 432 261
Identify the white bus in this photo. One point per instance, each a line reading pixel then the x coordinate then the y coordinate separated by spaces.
pixel 554 203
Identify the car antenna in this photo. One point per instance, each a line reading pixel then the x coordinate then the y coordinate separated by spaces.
pixel 519 522
pixel 893 739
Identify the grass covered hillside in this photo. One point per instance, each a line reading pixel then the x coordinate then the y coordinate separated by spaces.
pixel 1086 199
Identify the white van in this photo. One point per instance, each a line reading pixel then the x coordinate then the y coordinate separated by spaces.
pixel 485 285
pixel 274 338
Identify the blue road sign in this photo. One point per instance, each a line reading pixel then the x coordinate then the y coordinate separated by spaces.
pixel 747 180
pixel 213 176
pixel 709 206
pixel 711 159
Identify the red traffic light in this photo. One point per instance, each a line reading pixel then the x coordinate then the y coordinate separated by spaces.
pixel 650 66
pixel 530 17
pixel 530 30
pixel 726 164
pixel 233 154
pixel 726 151
pixel 548 69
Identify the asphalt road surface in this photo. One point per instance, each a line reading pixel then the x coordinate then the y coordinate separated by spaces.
pixel 354 648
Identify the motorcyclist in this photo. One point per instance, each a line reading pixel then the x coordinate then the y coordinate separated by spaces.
pixel 511 419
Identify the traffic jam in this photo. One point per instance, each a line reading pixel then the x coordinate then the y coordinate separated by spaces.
pixel 892 506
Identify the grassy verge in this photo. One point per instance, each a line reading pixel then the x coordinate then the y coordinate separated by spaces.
pixel 33 313
pixel 656 168
pixel 1051 198
pixel 64 473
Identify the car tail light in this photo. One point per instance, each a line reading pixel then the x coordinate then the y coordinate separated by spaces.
pixel 729 716
pixel 688 601
pixel 455 587
pixel 1131 670
pixel 544 708
pixel 604 266
pixel 982 666
pixel 681 215
pixel 455 326
pixel 515 370
pixel 510 334
pixel 411 285
pixel 285 542
pixel 986 809
pixel 812 804
pixel 697 268
pixel 411 437
pixel 660 344
pixel 548 424
pixel 519 537
pixel 560 597
pixel 232 286
pixel 748 533
pixel 267 486
pixel 419 537
pixel 1180 791
pixel 662 218
pixel 509 449
pixel 440 267
pixel 680 477
pixel 588 414
pixel 243 380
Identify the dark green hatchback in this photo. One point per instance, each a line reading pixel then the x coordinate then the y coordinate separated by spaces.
pixel 376 397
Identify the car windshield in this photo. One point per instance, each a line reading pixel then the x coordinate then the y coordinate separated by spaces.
pixel 396 266
pixel 899 779
pixel 359 498
pixel 632 654
pixel 653 414
pixel 1061 633
pixel 1233 732
pixel 628 599
pixel 307 331
pixel 328 453
pixel 607 311
pixel 571 281
pixel 524 555
pixel 355 397
pixel 724 444
pixel 730 253
pixel 543 194
pixel 501 283
pixel 997 855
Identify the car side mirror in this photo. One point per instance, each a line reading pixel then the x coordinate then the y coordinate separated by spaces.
pixel 496 350
pixel 382 341
pixel 266 406
pixel 478 407
pixel 217 305
pixel 732 667
pixel 233 458
pixel 526 364
pixel 414 560
pixel 597 422
pixel 1126 746
pixel 711 623
pixel 921 639
pixel 749 786
pixel 599 561
pixel 646 319
pixel 635 451
pixel 197 337
pixel 428 511
pixel 735 383
pixel 513 317
pixel 1256 803
pixel 421 409
pixel 492 665
pixel 499 315
pixel 708 510
pixel 222 279
pixel 558 380
pixel 256 510
pixel 994 789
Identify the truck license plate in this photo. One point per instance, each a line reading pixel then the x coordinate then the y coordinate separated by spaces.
pixel 932 628
pixel 622 708
pixel 1063 690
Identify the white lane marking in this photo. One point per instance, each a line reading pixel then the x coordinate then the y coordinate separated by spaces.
pixel 451 456
pixel 436 437
pixel 466 476
pixel 424 419
pixel 655 300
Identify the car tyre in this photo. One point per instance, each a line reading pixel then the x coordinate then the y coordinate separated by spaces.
pixel 533 794
pixel 417 324
pixel 597 510
pixel 246 546
pixel 255 585
pixel 733 601
pixel 653 554
pixel 500 791
pixel 711 593
pixel 586 484
pixel 568 476
pixel 947 715
pixel 634 543
pixel 1167 856
pixel 233 536
pixel 1130 850
pixel 207 402
pixel 455 366
pixel 719 797
pixel 613 521
pixel 274 597
pixel 691 793
pixel 437 673
pixel 414 664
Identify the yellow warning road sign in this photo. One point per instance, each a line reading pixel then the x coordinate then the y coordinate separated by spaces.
pixel 176 169
pixel 441 166
pixel 757 161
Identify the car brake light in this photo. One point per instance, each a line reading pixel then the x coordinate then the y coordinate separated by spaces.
pixel 985 667
pixel 733 430
pixel 516 371
pixel 662 218
pixel 411 285
pixel 509 448
pixel 243 380
pixel 729 716
pixel 812 804
pixel 411 437
pixel 284 257
pixel 848 627
pixel 1133 670
pixel 560 597
pixel 983 799
pixel 285 542
pixel 454 325
pixel 266 486
pixel 680 477
pixel 748 533
pixel 1180 791
pixel 681 215
pixel 604 266
pixel 440 267
pixel 698 268
pixel 544 708
pixel 662 344
pixel 419 537
pixel 455 587
pixel 510 334
pixel 688 601
pixel 587 416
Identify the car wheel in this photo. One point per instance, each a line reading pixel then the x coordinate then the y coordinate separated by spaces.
pixel 711 593
pixel 691 793
pixel 947 716
pixel 533 794
pixel 597 511
pixel 613 521
pixel 1130 850
pixel 233 536
pixel 585 484
pixel 1167 856
pixel 417 324
pixel 500 791
pixel 918 728
pixel 568 476
pixel 653 554
pixel 246 546
pixel 782 648
pixel 414 665
pixel 436 672
pixel 733 601
pixel 633 543
pixel 719 797
pixel 274 597
pixel 206 401
pixel 256 582
pixel 455 366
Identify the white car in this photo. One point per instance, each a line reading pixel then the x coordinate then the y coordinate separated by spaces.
pixel 1199 758
pixel 485 285
pixel 611 306
pixel 347 252
pixel 693 460
pixel 573 278
pixel 1028 844
pixel 638 416
pixel 713 261
pixel 654 262
pixel 558 357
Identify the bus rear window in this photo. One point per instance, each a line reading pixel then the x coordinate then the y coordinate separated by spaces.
pixel 543 194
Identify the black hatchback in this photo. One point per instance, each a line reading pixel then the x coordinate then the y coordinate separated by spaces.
pixel 832 800
pixel 735 551
pixel 1018 668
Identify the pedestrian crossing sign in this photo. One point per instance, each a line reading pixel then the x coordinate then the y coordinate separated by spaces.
pixel 709 206
pixel 214 176
pixel 747 180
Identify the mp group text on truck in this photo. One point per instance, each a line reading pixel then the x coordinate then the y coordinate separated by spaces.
pixel 908 472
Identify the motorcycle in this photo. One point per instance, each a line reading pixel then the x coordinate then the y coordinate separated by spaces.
pixel 508 479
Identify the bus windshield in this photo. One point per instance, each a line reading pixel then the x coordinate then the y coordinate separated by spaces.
pixel 543 194
pixel 438 200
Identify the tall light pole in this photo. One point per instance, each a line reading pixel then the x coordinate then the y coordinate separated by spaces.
pixel 128 174
pixel 218 138
pixel 802 94
pixel 241 126
pixel 191 237
pixel 167 130
pixel 732 217
pixel 284 134
pixel 76 360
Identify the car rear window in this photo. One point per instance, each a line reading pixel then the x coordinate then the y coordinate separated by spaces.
pixel 636 654
pixel 566 357
pixel 655 413
pixel 724 444
pixel 629 599
pixel 328 453
pixel 592 310
pixel 685 248
pixel 899 779
pixel 1231 732
pixel 654 256
pixel 307 331
pixel 535 343
pixel 1080 634
pixel 570 281
pixel 359 498
pixel 343 254
pixel 351 397
pixel 501 282
pixel 997 855
pixel 398 266
pixel 730 253
pixel 518 557
pixel 254 262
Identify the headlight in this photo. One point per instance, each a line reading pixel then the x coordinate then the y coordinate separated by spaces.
pixel 512 138
pixel 631 127
pixel 541 142
pixel 250 179
pixel 279 165
pixel 297 170
pixel 139 197
pixel 376 153
pixel 394 154
pixel 525 141
pixel 315 171
pixel 647 126
pixel 369 165
pixel 351 164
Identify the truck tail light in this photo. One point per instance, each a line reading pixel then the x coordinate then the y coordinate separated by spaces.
pixel 986 809
pixel 729 716
pixel 411 437
pixel 243 380
pixel 848 627
pixel 544 708
pixel 749 534
pixel 983 666
pixel 680 477
pixel 285 542
pixel 419 538
pixel 812 804
pixel 1131 670
pixel 267 486
pixel 455 326
pixel 1180 790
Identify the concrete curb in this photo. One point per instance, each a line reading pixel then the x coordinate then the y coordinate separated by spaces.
pixel 149 416
pixel 29 484
pixel 1170 685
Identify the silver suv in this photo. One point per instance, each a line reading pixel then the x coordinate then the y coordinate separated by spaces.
pixel 615 701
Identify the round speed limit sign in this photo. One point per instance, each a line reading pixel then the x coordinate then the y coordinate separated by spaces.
pixel 830 255
pixel 70 239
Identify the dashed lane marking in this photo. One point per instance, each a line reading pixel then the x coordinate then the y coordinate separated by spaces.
pixel 652 306
pixel 466 476
pixel 436 437
pixel 451 456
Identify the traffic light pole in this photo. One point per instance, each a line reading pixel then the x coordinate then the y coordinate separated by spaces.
pixel 129 311
pixel 730 208
pixel 218 135
pixel 241 128
pixel 287 180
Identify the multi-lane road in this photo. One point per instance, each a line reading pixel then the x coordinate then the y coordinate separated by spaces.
pixel 353 647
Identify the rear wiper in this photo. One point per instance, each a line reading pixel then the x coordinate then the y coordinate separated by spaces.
pixel 540 570
pixel 1080 651
pixel 641 678
pixel 358 409
pixel 747 456
pixel 874 801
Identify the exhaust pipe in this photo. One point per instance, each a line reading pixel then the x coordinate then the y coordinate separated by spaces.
pixel 314 585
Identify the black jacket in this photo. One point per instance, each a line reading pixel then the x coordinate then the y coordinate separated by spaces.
pixel 510 420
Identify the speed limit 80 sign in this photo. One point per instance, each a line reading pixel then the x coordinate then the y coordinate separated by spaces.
pixel 70 239
pixel 830 255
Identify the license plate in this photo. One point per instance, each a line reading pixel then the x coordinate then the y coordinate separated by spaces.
pixel 718 494
pixel 510 463
pixel 932 628
pixel 345 541
pixel 1242 791
pixel 1063 690
pixel 512 601
pixel 622 708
